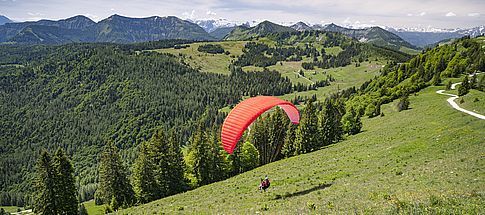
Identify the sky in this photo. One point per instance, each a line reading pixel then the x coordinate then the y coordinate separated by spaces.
pixel 359 13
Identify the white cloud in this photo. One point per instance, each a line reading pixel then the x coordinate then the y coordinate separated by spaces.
pixel 211 13
pixel 450 14
pixel 347 21
pixel 187 15
pixel 474 14
pixel 422 13
pixel 34 14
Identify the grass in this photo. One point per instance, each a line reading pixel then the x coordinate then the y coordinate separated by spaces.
pixel 11 209
pixel 346 77
pixel 473 101
pixel 215 63
pixel 409 50
pixel 424 159
pixel 93 209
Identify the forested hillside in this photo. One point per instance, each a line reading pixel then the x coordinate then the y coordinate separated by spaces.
pixel 80 96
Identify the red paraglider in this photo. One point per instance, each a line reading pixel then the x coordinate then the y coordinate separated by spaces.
pixel 246 112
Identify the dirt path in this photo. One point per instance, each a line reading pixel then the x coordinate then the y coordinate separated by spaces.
pixel 453 104
pixel 301 76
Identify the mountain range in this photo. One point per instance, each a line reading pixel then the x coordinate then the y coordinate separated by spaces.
pixel 116 28
pixel 418 37
pixel 120 29
pixel 425 37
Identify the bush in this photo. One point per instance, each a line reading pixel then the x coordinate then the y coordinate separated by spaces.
pixel 403 103
pixel 462 90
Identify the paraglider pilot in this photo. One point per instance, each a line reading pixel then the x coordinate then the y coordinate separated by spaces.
pixel 264 184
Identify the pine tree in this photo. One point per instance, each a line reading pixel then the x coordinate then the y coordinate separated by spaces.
pixel 330 123
pixel 66 192
pixel 114 187
pixel 164 152
pixel 45 184
pixel 207 162
pixel 276 131
pixel 288 149
pixel 259 137
pixel 307 135
pixel 176 179
pixel 464 88
pixel 145 185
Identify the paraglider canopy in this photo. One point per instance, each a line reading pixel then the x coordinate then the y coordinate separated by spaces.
pixel 246 112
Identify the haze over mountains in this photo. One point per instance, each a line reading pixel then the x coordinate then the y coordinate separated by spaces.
pixel 120 29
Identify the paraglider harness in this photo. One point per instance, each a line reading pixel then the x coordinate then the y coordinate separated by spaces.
pixel 264 184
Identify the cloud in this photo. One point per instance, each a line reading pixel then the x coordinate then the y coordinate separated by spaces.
pixel 417 14
pixel 34 14
pixel 211 13
pixel 474 14
pixel 187 15
pixel 450 14
pixel 347 21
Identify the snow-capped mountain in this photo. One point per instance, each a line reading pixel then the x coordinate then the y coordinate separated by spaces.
pixel 426 36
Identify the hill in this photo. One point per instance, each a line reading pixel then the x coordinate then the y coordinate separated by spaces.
pixel 426 159
pixel 262 29
pixel 222 32
pixel 373 35
pixel 117 29
pixel 4 19
pixel 403 161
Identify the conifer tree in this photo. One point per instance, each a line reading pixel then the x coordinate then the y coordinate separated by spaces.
pixel 45 184
pixel 330 123
pixel 176 179
pixel 276 131
pixel 66 192
pixel 114 187
pixel 208 163
pixel 288 149
pixel 464 88
pixel 145 185
pixel 307 135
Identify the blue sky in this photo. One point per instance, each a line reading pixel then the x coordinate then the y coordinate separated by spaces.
pixel 412 13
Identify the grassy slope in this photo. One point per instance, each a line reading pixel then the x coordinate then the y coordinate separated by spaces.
pixel 430 154
pixel 11 209
pixel 470 103
pixel 216 63
pixel 93 208
pixel 346 77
